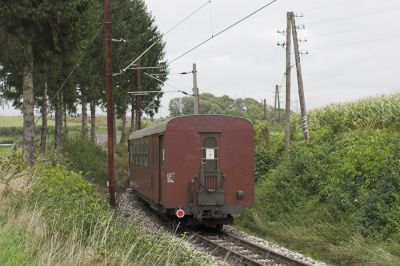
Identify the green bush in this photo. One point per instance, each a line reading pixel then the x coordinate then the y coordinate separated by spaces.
pixel 357 173
pixel 86 157
pixel 65 194
pixel 91 159
pixel 267 152
pixel 338 186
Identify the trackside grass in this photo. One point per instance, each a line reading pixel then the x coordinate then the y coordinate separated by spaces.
pixel 336 198
pixel 51 216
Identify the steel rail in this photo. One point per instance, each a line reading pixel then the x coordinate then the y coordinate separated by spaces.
pixel 222 246
pixel 273 254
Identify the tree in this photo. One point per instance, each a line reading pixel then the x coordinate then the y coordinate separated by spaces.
pixel 34 31
pixel 58 47
pixel 210 104
pixel 134 24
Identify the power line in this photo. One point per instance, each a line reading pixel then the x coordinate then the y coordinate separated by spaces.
pixel 159 80
pixel 160 38
pixel 222 31
pixel 338 32
pixel 152 92
pixel 328 5
pixel 356 16
pixel 187 17
pixel 356 42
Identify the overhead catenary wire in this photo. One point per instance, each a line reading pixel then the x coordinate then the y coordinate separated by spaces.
pixel 148 67
pixel 222 31
pixel 165 74
pixel 169 85
pixel 160 38
pixel 150 92
pixel 211 19
pixel 356 42
pixel 390 9
pixel 150 104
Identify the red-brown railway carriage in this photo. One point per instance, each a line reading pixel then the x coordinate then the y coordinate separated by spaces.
pixel 199 168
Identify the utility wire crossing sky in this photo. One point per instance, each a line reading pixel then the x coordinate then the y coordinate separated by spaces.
pixel 350 47
pixel 350 52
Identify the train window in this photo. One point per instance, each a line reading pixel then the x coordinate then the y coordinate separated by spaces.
pixel 210 148
pixel 134 152
pixel 141 152
pixel 130 143
pixel 210 142
pixel 145 151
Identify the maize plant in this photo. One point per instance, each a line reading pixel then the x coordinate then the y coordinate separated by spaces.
pixel 377 112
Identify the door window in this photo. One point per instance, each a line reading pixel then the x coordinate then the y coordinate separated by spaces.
pixel 210 153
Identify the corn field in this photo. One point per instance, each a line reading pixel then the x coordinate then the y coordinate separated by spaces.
pixel 378 112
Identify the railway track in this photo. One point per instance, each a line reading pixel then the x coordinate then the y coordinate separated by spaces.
pixel 241 252
pixel 231 248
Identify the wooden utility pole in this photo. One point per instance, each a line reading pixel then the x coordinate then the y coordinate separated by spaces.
pixel 265 109
pixel 138 97
pixel 277 105
pixel 288 77
pixel 195 91
pixel 110 103
pixel 304 122
pixel 43 136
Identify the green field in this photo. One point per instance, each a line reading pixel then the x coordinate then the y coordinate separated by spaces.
pixel 11 129
pixel 5 151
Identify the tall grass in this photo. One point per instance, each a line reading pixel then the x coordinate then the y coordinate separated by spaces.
pixel 53 217
pixel 379 112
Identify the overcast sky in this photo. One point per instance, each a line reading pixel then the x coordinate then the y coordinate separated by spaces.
pixel 353 48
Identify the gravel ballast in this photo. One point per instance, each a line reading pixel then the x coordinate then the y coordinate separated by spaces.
pixel 132 208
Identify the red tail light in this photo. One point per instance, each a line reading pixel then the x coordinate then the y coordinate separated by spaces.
pixel 180 213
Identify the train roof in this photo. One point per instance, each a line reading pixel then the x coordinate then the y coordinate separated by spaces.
pixel 160 128
pixel 157 129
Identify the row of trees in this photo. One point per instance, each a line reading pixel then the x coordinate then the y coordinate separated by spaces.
pixel 210 104
pixel 52 58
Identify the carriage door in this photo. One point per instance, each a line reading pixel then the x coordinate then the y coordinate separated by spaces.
pixel 210 178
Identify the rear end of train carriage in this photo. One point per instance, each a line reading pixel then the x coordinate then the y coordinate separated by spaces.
pixel 198 168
